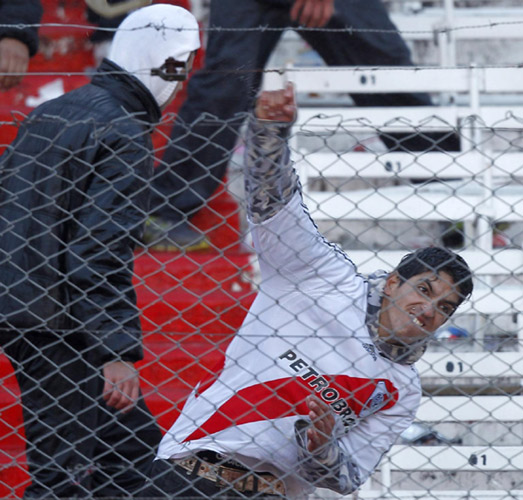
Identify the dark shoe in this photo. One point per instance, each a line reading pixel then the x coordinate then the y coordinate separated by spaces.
pixel 166 236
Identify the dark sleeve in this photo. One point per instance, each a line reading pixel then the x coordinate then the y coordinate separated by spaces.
pixel 108 225
pixel 17 13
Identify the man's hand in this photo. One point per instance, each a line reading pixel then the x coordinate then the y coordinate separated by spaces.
pixel 121 387
pixel 276 105
pixel 322 424
pixel 14 59
pixel 312 13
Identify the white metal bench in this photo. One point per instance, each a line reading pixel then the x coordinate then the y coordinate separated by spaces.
pixel 467 374
pixel 477 206
pixel 419 464
pixel 407 469
pixel 451 459
pixel 477 185
pixel 467 409
pixel 447 26
pixel 482 203
pixel 484 365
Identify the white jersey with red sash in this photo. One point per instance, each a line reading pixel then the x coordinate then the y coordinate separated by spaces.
pixel 305 333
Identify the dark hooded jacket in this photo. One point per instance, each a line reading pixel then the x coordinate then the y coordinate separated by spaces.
pixel 16 13
pixel 73 199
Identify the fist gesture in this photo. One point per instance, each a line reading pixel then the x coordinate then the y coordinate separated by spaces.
pixel 276 105
pixel 312 13
pixel 322 418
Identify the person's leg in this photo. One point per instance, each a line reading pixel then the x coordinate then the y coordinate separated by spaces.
pixel 125 450
pixel 57 415
pixel 218 96
pixel 375 42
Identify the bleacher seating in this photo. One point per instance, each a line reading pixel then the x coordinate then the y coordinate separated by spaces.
pixel 445 471
pixel 455 379
pixel 447 26
pixel 470 384
pixel 479 187
pixel 439 31
pixel 486 426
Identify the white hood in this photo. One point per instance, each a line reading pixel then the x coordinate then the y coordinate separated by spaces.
pixel 147 37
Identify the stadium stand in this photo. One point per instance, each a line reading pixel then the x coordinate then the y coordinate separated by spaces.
pixel 474 384
pixel 447 26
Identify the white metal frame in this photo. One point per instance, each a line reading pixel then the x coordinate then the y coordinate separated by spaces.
pixel 447 25
pixel 409 202
pixel 473 162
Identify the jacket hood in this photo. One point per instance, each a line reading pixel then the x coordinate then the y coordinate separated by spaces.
pixel 147 37
pixel 133 95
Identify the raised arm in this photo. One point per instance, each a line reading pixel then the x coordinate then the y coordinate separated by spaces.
pixel 292 253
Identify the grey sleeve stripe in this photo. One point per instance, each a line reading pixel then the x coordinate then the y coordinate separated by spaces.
pixel 330 468
pixel 270 178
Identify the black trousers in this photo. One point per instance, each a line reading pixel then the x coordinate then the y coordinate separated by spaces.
pixel 220 95
pixel 170 481
pixel 76 445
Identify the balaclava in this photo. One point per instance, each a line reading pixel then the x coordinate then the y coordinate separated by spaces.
pixel 150 35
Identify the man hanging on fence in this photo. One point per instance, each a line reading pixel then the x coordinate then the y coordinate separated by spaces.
pixel 73 199
pixel 319 381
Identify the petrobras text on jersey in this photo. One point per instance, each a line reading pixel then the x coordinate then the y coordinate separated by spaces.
pixel 321 385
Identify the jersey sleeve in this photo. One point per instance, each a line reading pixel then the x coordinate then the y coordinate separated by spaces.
pixel 348 461
pixel 291 251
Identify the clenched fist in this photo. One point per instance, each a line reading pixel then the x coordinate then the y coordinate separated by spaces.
pixel 277 105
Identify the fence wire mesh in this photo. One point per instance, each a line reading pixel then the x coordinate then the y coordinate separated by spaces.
pixel 127 335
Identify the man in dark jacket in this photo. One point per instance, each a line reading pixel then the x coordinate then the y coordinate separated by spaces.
pixel 17 42
pixel 73 198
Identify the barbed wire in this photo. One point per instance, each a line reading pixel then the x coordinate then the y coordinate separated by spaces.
pixel 316 122
pixel 349 29
pixel 280 70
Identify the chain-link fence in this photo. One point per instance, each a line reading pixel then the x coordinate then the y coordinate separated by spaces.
pixel 190 296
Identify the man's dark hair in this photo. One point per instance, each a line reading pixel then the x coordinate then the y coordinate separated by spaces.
pixel 438 259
